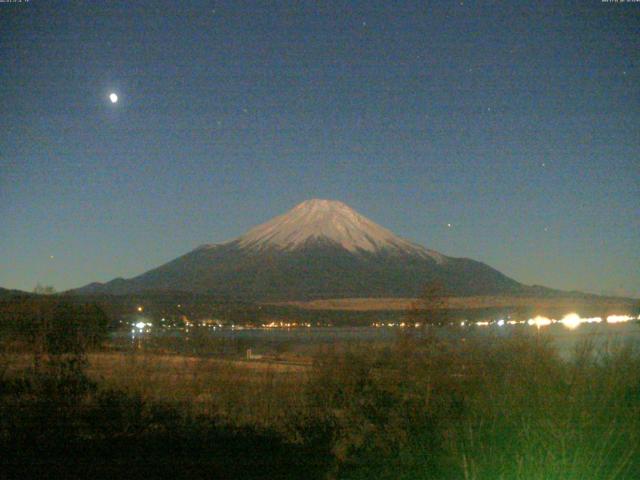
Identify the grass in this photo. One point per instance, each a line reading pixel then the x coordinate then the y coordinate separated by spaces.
pixel 241 392
pixel 483 408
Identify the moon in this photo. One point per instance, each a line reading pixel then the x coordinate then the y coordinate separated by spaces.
pixel 113 97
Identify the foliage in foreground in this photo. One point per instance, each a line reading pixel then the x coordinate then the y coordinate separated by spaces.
pixel 509 409
pixel 417 408
pixel 51 325
pixel 55 422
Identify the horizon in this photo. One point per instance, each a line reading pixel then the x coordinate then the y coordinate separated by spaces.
pixel 296 207
pixel 135 132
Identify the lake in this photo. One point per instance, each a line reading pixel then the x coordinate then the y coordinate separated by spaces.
pixel 566 339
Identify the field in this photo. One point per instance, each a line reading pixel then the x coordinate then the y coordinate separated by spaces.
pixel 584 303
pixel 482 408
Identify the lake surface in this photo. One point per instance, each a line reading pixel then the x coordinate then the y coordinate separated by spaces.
pixel 603 335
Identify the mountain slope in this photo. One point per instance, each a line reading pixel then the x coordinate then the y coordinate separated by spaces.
pixel 7 294
pixel 319 249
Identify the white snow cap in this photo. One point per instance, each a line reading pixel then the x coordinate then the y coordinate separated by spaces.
pixel 328 220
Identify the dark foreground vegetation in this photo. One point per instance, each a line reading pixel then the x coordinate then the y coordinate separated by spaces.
pixel 415 408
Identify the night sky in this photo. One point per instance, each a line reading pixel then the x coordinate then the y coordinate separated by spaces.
pixel 500 131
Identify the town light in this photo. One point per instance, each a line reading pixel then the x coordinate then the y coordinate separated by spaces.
pixel 539 321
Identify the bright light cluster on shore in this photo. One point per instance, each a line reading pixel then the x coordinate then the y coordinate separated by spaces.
pixel 141 326
pixel 539 321
pixel 570 321
pixel 285 325
pixel 619 318
pixel 396 324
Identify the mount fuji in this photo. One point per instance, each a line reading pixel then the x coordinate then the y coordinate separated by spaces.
pixel 320 249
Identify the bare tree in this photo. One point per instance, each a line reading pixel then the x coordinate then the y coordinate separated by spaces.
pixel 431 308
pixel 44 289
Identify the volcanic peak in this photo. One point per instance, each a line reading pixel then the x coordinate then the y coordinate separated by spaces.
pixel 328 220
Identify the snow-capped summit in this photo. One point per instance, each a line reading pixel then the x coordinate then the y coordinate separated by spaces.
pixel 332 221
